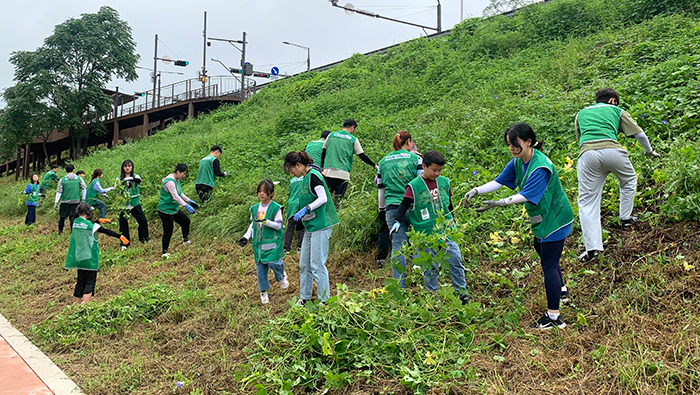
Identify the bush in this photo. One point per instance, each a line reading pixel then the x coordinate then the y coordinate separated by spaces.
pixel 683 181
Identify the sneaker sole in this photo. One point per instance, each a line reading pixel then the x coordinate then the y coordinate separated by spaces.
pixel 547 328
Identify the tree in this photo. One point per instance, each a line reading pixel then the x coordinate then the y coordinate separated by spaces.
pixel 497 7
pixel 66 75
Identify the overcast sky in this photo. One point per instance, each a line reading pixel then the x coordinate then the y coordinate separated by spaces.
pixel 328 31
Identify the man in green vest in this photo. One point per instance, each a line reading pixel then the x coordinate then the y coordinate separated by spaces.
pixel 209 169
pixel 426 197
pixel 315 148
pixel 71 190
pixel 336 158
pixel 597 127
pixel 50 179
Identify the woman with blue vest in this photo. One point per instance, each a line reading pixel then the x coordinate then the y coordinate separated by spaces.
pixel 33 192
pixel 318 215
pixel 547 205
pixel 169 202
pixel 93 190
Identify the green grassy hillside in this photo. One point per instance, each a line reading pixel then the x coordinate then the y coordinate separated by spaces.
pixel 197 319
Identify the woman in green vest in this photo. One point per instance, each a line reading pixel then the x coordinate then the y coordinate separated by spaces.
pixel 318 215
pixel 396 170
pixel 547 206
pixel 33 192
pixel 292 208
pixel 169 202
pixel 266 232
pixel 95 188
pixel 132 184
pixel 84 252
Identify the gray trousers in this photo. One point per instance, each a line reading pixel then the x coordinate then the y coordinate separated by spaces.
pixel 593 167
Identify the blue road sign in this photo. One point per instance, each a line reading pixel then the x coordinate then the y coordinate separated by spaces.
pixel 275 71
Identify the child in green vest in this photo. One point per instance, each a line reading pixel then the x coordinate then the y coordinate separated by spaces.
pixel 132 184
pixel 96 188
pixel 318 215
pixel 547 205
pixel 427 196
pixel 266 232
pixel 84 251
pixel 33 192
pixel 292 208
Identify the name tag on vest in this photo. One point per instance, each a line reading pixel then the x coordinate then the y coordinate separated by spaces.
pixel 425 214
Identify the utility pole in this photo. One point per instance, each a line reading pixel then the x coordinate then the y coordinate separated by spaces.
pixel 243 67
pixel 461 10
pixel 155 71
pixel 204 59
pixel 308 59
pixel 439 17
pixel 116 101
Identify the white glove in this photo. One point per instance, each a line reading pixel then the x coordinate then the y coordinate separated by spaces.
pixel 653 154
pixel 109 189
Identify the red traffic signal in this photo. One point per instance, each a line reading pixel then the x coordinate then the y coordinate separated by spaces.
pixel 261 75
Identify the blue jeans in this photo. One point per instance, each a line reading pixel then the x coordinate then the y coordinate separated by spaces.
pixel 262 269
pixel 312 265
pixel 101 207
pixel 454 258
pixel 397 240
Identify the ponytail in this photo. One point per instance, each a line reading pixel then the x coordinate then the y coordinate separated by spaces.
pixel 95 174
pixel 525 133
pixel 293 158
pixel 400 138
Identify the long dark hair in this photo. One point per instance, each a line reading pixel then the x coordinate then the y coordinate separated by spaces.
pixel 123 173
pixel 95 174
pixel 400 138
pixel 84 209
pixel 524 132
pixel 292 158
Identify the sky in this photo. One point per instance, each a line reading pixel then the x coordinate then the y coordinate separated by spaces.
pixel 328 31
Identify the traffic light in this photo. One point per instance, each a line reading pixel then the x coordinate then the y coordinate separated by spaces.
pixel 181 63
pixel 261 75
pixel 142 94
pixel 204 79
pixel 235 71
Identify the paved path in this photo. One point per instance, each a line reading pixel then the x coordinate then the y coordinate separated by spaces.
pixel 25 370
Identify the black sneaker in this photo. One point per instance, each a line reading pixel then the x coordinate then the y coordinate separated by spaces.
pixel 564 298
pixel 381 263
pixel 286 251
pixel 587 256
pixel 545 323
pixel 302 302
pixel 464 298
pixel 626 223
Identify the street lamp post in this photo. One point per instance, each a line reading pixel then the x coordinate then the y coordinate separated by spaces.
pixel 308 53
pixel 242 49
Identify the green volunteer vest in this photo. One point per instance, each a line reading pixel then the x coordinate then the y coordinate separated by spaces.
pixel 71 189
pixel 599 122
pixel 315 150
pixel 425 209
pixel 293 201
pixel 397 169
pixel 205 175
pixel 340 151
pixel 554 210
pixel 33 196
pixel 134 194
pixel 49 179
pixel 83 250
pixel 322 217
pixel 267 242
pixel 166 203
pixel 91 195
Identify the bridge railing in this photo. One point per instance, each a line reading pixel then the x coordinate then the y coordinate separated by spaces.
pixel 183 91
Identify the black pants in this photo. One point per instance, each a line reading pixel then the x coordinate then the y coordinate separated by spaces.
pixel 31 215
pixel 337 188
pixel 383 238
pixel 182 219
pixel 85 283
pixel 140 217
pixel 66 210
pixel 289 235
pixel 204 191
pixel 550 254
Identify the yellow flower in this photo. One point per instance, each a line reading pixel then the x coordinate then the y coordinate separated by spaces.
pixel 429 359
pixel 495 238
pixel 514 240
pixel 688 267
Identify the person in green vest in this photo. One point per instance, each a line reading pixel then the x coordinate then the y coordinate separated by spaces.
pixel 315 148
pixel 600 154
pixel 336 158
pixel 424 198
pixel 95 188
pixel 547 205
pixel 209 169
pixel 131 182
pixel 70 191
pixel 266 232
pixel 33 192
pixel 169 202
pixel 84 251
pixel 50 179
pixel 292 208
pixel 396 170
pixel 318 216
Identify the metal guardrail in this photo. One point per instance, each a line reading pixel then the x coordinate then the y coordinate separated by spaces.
pixel 183 91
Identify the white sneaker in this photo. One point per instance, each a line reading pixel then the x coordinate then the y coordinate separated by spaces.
pixel 186 242
pixel 284 282
pixel 165 255
pixel 264 298
pixel 416 268
pixel 123 248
